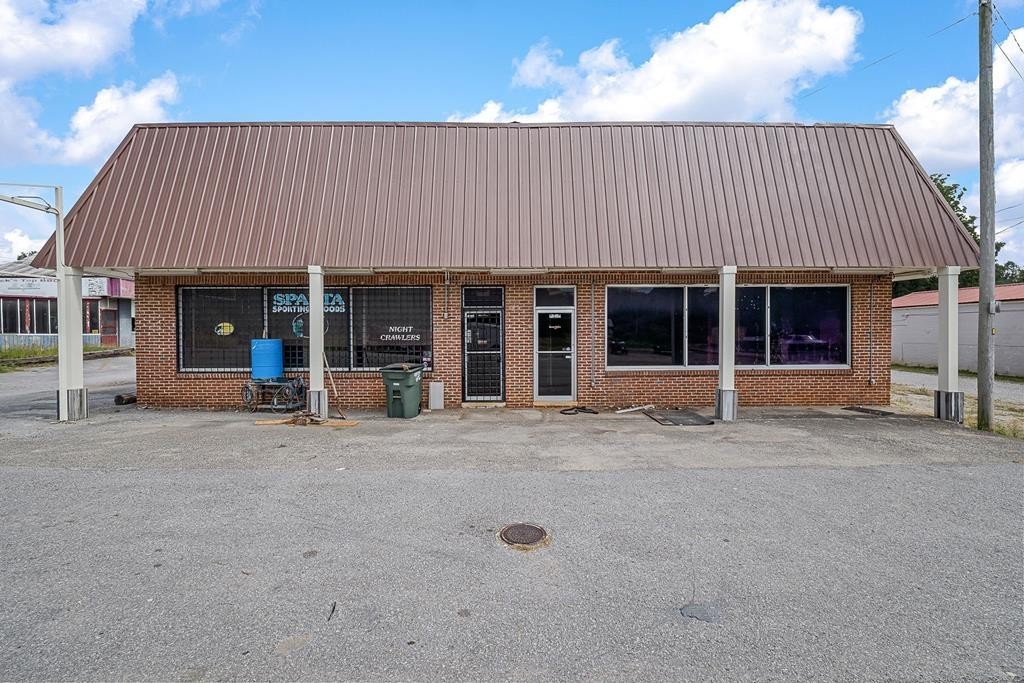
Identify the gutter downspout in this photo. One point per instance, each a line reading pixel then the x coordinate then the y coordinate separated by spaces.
pixel 593 337
pixel 447 281
pixel 871 331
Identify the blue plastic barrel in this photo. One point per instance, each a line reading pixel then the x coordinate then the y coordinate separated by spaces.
pixel 267 359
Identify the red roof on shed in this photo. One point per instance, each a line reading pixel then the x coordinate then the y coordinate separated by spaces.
pixel 481 196
pixel 965 295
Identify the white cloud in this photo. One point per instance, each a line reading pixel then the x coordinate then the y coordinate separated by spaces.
pixel 940 123
pixel 95 129
pixel 182 8
pixel 75 37
pixel 1010 209
pixel 747 62
pixel 21 138
pixel 243 25
pixel 15 242
pixel 21 229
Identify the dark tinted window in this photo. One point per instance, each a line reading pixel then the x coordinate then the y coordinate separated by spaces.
pixel 750 316
pixel 809 325
pixel 555 296
pixel 702 339
pixel 391 325
pixel 288 319
pixel 215 326
pixel 482 297
pixel 41 316
pixel 645 326
pixel 11 315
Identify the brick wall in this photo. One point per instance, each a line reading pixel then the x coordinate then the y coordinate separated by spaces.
pixel 160 384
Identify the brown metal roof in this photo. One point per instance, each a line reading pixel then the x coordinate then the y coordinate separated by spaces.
pixel 457 195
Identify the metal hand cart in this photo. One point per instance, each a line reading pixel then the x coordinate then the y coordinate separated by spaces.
pixel 280 394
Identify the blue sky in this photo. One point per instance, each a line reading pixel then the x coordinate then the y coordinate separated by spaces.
pixel 98 65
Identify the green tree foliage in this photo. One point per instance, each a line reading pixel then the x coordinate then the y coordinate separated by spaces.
pixel 1006 273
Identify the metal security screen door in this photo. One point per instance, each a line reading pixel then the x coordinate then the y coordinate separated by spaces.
pixel 483 348
pixel 555 344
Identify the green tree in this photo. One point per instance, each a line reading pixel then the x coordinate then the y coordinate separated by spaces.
pixel 954 193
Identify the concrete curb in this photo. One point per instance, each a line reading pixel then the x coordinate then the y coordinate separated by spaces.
pixel 88 355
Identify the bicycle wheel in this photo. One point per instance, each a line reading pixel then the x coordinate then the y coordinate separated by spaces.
pixel 249 398
pixel 282 399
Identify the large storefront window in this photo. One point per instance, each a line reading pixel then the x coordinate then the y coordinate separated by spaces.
pixel 809 325
pixel 750 314
pixel 288 319
pixel 388 324
pixel 645 326
pixel 215 326
pixel 702 322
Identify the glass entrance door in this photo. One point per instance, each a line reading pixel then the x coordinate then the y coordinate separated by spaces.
pixel 555 355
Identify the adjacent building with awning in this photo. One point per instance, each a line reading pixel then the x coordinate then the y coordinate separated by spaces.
pixel 604 264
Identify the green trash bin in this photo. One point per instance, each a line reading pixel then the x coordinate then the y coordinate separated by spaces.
pixel 403 387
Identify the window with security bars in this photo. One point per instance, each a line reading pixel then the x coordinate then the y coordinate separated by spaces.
pixel 288 320
pixel 215 326
pixel 390 325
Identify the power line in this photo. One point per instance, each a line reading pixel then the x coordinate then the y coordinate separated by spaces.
pixel 1000 46
pixel 1011 206
pixel 893 53
pixel 1000 15
pixel 1007 229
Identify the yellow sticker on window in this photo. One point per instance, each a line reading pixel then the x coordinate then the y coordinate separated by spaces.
pixel 224 329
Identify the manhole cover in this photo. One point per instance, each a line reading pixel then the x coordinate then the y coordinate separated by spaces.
pixel 523 535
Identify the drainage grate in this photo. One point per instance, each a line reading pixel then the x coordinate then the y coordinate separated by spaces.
pixel 686 418
pixel 523 535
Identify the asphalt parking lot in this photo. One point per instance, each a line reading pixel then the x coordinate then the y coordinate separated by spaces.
pixel 148 544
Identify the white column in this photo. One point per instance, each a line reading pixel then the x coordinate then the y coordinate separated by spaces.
pixel 725 396
pixel 316 400
pixel 72 402
pixel 949 400
pixel 72 398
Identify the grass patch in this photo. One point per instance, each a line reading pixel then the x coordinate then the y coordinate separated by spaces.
pixel 963 373
pixel 1008 419
pixel 20 352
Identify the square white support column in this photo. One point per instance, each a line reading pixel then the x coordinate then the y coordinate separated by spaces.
pixel 316 397
pixel 949 400
pixel 725 395
pixel 72 397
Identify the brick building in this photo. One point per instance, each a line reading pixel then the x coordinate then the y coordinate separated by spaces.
pixel 596 264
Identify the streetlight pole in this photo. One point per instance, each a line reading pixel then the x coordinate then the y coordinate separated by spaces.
pixel 72 397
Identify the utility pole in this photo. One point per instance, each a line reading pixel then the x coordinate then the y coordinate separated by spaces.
pixel 987 275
